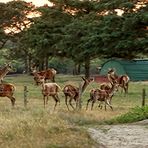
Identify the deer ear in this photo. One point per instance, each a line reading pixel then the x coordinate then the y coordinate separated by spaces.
pixel 34 70
pixel 83 78
pixel 92 79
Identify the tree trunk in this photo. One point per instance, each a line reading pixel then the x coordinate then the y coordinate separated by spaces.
pixel 75 69
pixel 26 65
pixel 87 68
pixel 29 64
pixel 79 69
pixel 41 65
pixel 46 62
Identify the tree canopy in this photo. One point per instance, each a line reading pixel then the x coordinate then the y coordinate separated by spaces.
pixel 78 30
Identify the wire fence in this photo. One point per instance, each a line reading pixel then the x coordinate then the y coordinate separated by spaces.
pixel 29 91
pixel 142 96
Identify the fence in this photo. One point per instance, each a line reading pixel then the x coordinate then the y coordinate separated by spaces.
pixel 26 89
pixel 79 102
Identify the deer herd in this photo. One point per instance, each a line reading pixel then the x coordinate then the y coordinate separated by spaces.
pixel 102 94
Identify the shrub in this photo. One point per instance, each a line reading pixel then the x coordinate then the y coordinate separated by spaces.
pixel 136 114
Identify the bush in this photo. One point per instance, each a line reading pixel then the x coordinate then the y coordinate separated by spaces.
pixel 136 114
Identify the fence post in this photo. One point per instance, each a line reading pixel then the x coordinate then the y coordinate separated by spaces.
pixel 143 97
pixel 25 96
pixel 80 95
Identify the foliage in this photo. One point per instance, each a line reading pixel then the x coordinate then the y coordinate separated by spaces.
pixel 134 115
pixel 78 30
pixel 62 65
pixel 14 20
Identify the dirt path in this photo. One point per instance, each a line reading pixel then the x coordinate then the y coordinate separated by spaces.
pixel 121 136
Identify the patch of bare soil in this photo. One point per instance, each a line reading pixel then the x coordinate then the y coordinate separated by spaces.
pixel 121 136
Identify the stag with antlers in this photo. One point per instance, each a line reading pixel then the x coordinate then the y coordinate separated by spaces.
pixel 72 92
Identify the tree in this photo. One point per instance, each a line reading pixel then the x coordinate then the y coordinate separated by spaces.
pixel 124 36
pixel 45 32
pixel 82 31
pixel 14 20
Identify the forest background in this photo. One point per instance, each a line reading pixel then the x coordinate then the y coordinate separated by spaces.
pixel 72 36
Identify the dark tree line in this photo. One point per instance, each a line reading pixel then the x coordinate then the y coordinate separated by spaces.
pixel 74 29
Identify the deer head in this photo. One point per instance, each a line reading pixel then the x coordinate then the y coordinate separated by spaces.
pixel 86 83
pixel 39 79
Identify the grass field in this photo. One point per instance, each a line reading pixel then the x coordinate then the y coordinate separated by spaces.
pixel 37 127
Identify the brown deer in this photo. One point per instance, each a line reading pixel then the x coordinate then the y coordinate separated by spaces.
pixel 109 88
pixel 49 74
pixel 4 71
pixel 72 92
pixel 7 90
pixel 122 81
pixel 104 94
pixel 48 89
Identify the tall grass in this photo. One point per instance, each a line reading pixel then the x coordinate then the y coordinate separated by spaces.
pixel 37 127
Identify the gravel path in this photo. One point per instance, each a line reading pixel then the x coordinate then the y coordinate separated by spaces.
pixel 121 136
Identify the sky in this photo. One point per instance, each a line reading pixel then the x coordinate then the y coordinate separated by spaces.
pixel 35 2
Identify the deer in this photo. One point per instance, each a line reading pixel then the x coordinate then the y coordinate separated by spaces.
pixel 109 88
pixel 7 90
pixel 48 89
pixel 49 74
pixel 72 92
pixel 102 94
pixel 122 81
pixel 4 71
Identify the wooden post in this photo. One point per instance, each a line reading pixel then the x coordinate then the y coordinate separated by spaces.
pixel 25 96
pixel 143 97
pixel 80 99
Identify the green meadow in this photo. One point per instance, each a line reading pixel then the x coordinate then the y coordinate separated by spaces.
pixel 39 127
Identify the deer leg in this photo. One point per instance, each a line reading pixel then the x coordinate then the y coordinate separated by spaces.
pixel 126 89
pixel 12 100
pixel 66 97
pixel 107 102
pixel 56 101
pixel 47 100
pixel 92 104
pixel 53 79
pixel 110 99
pixel 100 105
pixel 44 99
pixel 70 102
pixel 121 87
pixel 76 98
pixel 57 98
pixel 88 103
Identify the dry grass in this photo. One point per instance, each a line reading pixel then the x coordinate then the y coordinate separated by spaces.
pixel 36 127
